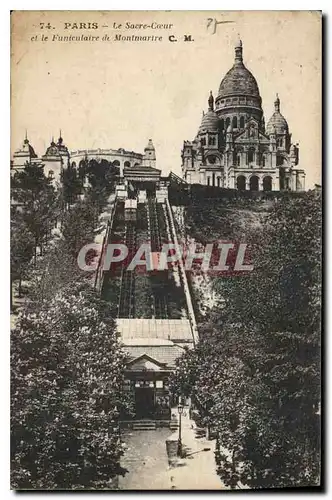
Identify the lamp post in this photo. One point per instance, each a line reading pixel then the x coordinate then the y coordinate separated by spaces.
pixel 179 451
pixel 116 414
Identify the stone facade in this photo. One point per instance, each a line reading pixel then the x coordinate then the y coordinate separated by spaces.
pixel 57 156
pixel 233 148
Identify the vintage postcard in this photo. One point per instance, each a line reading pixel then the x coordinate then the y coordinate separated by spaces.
pixel 166 250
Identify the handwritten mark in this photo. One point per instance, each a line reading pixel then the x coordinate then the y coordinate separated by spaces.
pixel 213 23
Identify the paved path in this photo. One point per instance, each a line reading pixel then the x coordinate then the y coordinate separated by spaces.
pixel 146 460
pixel 197 471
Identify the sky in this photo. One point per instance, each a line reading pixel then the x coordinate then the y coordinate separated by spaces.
pixel 113 94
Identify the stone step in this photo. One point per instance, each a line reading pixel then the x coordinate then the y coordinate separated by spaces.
pixel 145 428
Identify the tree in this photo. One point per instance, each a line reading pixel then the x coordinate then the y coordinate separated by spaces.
pixel 67 379
pixel 71 185
pixel 79 226
pixel 255 373
pixel 21 250
pixel 33 191
pixel 102 174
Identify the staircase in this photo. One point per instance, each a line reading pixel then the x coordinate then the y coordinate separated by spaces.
pixel 174 425
pixel 144 425
pixel 178 180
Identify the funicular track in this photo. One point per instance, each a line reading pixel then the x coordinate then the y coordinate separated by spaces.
pixel 158 279
pixel 127 291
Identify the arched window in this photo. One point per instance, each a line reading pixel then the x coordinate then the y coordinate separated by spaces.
pixel 218 181
pixel 241 183
pixel 126 164
pixel 238 160
pixel 280 160
pixel 228 121
pixel 212 141
pixel 116 163
pixel 251 155
pixel 211 159
pixel 203 141
pixel 234 122
pixel 267 183
pixel 242 122
pixel 208 181
pixel 222 124
pixel 263 160
pixel 253 183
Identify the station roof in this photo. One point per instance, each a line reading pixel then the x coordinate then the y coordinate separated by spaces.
pixel 165 355
pixel 175 330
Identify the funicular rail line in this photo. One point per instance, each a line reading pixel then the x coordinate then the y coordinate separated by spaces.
pixel 160 301
pixel 127 292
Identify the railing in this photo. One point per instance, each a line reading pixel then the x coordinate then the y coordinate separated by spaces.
pixel 177 179
pixel 160 300
pixel 99 280
pixel 126 307
pixel 80 152
pixel 183 275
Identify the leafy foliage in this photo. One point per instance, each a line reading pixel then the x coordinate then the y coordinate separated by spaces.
pixel 71 185
pixel 66 364
pixel 67 392
pixel 38 202
pixel 21 249
pixel 255 374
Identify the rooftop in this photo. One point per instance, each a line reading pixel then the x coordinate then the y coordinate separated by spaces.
pixel 154 330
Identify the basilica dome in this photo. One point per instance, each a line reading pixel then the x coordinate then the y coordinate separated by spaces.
pixel 277 124
pixel 238 80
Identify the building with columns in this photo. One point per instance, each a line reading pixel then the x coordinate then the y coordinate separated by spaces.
pixel 233 148
pixel 57 157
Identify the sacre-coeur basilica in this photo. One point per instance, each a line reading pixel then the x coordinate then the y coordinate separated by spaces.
pixel 234 148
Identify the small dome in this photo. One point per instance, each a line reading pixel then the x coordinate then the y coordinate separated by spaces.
pixel 52 150
pixel 150 146
pixel 277 124
pixel 27 146
pixel 210 122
